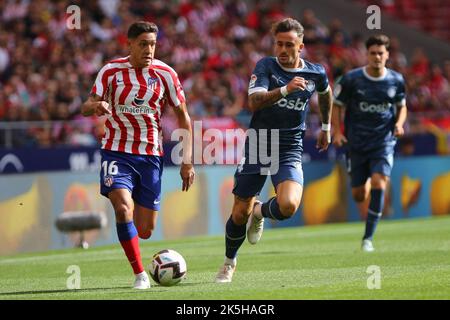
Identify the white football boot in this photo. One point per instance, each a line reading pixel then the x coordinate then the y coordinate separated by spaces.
pixel 255 226
pixel 367 246
pixel 226 272
pixel 142 281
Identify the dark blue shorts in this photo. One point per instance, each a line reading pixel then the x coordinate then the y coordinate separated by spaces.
pixel 362 166
pixel 249 183
pixel 140 174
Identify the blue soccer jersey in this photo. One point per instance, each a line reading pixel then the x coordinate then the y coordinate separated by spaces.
pixel 370 108
pixel 289 113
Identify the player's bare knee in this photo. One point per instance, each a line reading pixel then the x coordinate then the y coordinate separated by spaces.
pixel 123 213
pixel 379 184
pixel 379 181
pixel 288 208
pixel 241 216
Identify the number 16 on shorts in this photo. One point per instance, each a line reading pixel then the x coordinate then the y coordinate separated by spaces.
pixel 109 170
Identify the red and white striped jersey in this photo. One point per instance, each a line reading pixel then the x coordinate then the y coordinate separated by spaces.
pixel 136 97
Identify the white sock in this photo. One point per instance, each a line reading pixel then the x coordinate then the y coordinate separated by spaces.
pixel 232 262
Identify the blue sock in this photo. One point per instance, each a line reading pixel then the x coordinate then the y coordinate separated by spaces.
pixel 271 209
pixel 234 237
pixel 374 214
pixel 126 231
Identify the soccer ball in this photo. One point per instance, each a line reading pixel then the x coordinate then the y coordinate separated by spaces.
pixel 168 267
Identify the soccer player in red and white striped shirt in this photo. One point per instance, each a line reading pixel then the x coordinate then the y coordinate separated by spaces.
pixel 132 92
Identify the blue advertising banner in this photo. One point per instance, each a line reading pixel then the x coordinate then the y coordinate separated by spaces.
pixel 51 159
pixel 30 203
pixel 78 159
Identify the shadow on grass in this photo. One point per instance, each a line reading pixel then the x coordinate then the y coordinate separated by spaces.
pixel 112 289
pixel 75 291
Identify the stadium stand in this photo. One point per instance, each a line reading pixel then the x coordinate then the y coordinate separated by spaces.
pixel 47 70
pixel 428 15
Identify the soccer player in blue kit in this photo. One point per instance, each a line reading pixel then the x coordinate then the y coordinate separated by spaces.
pixel 279 91
pixel 375 110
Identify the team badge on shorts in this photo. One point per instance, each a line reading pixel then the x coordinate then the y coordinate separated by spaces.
pixel 108 181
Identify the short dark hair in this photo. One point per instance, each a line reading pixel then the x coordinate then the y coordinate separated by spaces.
pixel 379 40
pixel 140 27
pixel 287 25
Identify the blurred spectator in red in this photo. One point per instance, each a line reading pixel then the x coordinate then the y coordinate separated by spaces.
pixel 46 70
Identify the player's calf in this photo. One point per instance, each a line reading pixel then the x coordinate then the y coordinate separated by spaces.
pixel 288 208
pixel 145 234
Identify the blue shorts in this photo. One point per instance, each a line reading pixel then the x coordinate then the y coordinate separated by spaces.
pixel 140 174
pixel 362 166
pixel 248 183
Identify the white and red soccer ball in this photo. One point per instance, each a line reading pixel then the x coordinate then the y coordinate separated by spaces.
pixel 168 267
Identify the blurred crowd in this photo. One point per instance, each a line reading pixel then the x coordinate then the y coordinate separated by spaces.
pixel 47 70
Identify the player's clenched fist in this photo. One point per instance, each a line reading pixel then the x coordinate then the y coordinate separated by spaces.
pixel 297 83
pixel 101 108
pixel 339 139
pixel 187 174
pixel 398 130
pixel 323 141
pixel 95 106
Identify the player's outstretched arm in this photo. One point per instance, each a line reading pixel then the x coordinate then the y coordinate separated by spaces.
pixel 325 107
pixel 187 171
pixel 401 118
pixel 95 105
pixel 263 99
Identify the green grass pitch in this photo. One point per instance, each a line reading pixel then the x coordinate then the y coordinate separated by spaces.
pixel 314 262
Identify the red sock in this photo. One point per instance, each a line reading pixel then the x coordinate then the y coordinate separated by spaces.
pixel 131 248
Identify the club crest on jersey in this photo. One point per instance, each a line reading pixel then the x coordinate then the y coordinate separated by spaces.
pixel 108 181
pixel 391 92
pixel 137 102
pixel 152 82
pixel 310 86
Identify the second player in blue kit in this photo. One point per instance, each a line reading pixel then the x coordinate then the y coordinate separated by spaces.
pixel 375 110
